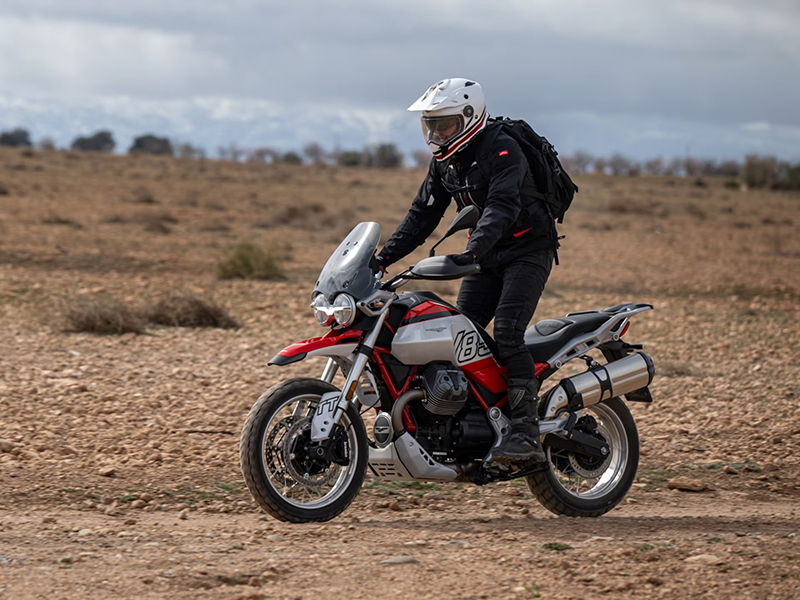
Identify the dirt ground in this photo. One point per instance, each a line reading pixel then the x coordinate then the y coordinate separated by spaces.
pixel 119 454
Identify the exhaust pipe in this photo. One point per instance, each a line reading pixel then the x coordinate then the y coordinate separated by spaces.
pixel 399 405
pixel 620 377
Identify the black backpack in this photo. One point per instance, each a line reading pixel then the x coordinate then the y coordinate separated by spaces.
pixel 552 181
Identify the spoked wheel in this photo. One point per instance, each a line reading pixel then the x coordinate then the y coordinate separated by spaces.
pixel 577 485
pixel 281 471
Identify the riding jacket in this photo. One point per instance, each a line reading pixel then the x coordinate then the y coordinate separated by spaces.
pixel 491 173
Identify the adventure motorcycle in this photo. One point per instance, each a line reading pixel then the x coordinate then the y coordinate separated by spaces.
pixel 434 379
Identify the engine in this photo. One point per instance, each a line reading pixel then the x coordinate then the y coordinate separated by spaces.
pixel 446 390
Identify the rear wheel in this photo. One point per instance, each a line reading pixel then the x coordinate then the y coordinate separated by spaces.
pixel 577 485
pixel 280 470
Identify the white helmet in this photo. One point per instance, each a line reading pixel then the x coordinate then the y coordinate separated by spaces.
pixel 453 113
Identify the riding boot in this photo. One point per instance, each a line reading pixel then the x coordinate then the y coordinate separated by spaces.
pixel 522 445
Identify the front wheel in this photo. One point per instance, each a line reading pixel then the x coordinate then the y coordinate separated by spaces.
pixel 278 467
pixel 577 485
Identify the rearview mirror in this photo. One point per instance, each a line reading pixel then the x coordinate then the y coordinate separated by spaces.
pixel 466 218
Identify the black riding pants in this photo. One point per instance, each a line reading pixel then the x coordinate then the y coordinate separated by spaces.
pixel 509 293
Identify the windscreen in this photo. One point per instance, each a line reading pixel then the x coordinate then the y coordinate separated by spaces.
pixel 347 270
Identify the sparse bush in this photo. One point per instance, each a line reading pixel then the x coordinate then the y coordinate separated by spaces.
pixel 248 261
pixel 102 141
pixel 142 195
pixel 731 184
pixel 104 315
pixel 16 138
pixel 187 150
pixel 152 144
pixel 263 155
pixel 55 219
pixel 654 166
pixel 350 158
pixel 788 177
pixel 230 152
pixel 730 168
pixel 4 191
pixel 47 144
pixel 182 309
pixel 314 153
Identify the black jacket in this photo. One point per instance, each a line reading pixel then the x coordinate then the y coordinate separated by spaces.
pixel 491 173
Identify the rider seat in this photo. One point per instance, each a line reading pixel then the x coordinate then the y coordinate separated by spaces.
pixel 547 337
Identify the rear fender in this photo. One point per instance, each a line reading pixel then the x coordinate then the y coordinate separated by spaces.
pixel 334 343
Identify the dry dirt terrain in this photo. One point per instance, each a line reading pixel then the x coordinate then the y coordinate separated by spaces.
pixel 119 454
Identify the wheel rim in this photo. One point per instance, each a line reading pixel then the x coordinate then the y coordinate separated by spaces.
pixel 590 481
pixel 299 480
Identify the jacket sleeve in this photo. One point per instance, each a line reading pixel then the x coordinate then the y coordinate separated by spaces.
pixel 426 211
pixel 507 167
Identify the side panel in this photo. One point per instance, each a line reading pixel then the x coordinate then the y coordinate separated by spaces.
pixel 448 338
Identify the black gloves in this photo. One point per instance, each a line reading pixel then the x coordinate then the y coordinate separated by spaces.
pixel 463 259
pixel 378 264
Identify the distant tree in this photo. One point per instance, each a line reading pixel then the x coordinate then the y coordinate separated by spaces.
pixel 759 171
pixel 292 158
pixel 581 160
pixel 787 177
pixel 654 166
pixel 730 168
pixel 708 167
pixel 151 144
pixel 102 141
pixel 16 138
pixel 230 152
pixel 422 158
pixel 387 156
pixel 187 150
pixel 314 153
pixel 600 165
pixel 619 165
pixel 263 155
pixel 674 168
pixel 691 167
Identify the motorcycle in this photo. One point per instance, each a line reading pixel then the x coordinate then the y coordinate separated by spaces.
pixel 440 393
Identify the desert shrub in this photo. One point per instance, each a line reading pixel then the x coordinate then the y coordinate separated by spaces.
pixel 102 141
pixel 47 144
pixel 731 184
pixel 182 309
pixel 248 261
pixel 104 315
pixel 186 150
pixel 142 195
pixel 151 144
pixel 16 138
pixel 314 152
pixel 55 219
pixel 730 168
pixel 759 171
pixel 4 191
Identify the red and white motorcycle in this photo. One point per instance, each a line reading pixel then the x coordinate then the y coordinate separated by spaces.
pixel 434 379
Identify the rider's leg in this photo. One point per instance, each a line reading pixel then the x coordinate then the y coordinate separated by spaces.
pixel 523 283
pixel 479 295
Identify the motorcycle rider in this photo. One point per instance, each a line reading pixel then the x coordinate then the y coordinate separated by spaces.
pixel 514 241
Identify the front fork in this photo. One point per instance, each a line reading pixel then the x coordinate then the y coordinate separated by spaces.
pixel 333 404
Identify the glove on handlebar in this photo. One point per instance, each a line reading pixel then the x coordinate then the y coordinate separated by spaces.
pixel 463 259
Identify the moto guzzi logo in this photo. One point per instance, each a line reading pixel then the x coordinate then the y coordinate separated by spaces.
pixel 469 346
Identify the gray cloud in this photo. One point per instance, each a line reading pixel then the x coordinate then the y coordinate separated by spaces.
pixel 699 68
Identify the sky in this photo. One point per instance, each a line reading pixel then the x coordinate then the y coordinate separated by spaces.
pixel 714 79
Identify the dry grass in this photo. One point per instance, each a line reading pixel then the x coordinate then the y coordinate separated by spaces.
pixel 103 315
pixel 249 261
pixel 183 309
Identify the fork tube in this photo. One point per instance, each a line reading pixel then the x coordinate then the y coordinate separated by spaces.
pixel 330 371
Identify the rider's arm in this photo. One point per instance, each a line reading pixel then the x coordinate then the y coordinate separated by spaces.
pixel 426 211
pixel 508 167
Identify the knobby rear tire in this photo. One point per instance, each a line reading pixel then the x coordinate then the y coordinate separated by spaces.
pixel 551 494
pixel 251 454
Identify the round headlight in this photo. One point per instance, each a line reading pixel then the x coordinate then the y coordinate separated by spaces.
pixel 344 310
pixel 323 312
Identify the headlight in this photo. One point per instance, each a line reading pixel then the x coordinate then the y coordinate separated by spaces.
pixel 344 310
pixel 323 312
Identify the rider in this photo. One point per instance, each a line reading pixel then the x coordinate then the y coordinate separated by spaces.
pixel 514 241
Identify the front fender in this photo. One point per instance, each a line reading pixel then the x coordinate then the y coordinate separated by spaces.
pixel 333 343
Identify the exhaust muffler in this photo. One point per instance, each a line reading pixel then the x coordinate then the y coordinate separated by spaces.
pixel 620 377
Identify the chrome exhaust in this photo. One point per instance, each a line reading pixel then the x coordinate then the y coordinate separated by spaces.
pixel 620 377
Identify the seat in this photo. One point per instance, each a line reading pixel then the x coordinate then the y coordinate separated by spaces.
pixel 547 337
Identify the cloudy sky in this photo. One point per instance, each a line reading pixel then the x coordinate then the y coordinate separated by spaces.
pixel 645 77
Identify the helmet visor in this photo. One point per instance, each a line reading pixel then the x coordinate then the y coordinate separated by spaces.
pixel 440 130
